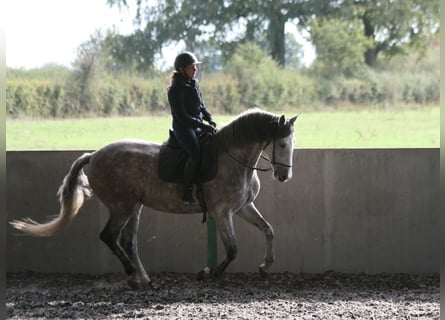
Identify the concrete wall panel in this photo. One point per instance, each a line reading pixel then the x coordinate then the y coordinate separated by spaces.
pixel 353 210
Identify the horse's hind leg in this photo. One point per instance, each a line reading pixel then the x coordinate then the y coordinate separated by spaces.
pixel 251 214
pixel 129 244
pixel 111 235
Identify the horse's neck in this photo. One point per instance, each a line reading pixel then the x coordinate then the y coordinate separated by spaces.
pixel 247 155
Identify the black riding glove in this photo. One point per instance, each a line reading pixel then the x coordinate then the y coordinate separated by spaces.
pixel 208 128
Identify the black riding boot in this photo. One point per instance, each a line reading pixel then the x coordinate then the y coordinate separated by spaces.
pixel 189 176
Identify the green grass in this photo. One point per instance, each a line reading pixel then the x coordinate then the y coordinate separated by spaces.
pixel 370 129
pixel 336 129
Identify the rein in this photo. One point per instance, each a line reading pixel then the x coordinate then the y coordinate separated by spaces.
pixel 263 157
pixel 247 165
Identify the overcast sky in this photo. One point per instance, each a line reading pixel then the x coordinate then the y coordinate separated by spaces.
pixel 39 32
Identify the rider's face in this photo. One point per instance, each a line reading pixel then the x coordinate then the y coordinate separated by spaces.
pixel 190 71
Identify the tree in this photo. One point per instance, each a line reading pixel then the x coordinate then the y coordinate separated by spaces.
pixel 134 52
pixel 396 25
pixel 339 46
pixel 294 53
pixel 82 81
pixel 393 26
pixel 223 22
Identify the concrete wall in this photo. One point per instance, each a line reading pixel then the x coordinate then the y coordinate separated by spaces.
pixel 345 210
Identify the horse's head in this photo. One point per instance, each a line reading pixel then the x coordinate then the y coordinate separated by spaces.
pixel 281 149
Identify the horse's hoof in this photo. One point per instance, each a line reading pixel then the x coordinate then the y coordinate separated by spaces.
pixel 262 271
pixel 140 285
pixel 203 274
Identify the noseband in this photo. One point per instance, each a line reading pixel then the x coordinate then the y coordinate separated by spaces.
pixel 262 156
pixel 273 157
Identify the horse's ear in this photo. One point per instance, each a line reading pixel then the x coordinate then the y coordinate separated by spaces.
pixel 292 120
pixel 282 121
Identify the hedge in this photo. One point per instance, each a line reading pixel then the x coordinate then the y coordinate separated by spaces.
pixel 224 92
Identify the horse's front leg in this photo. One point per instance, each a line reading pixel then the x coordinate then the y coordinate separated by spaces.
pixel 128 241
pixel 226 231
pixel 251 214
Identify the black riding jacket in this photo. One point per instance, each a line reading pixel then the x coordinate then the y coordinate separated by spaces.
pixel 186 104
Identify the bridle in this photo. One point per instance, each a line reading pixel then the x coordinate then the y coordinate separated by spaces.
pixel 273 157
pixel 263 157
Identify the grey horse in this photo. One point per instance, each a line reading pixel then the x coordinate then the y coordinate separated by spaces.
pixel 124 176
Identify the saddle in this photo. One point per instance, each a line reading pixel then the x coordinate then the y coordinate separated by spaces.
pixel 172 159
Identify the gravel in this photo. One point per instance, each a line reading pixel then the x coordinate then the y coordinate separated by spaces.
pixel 235 296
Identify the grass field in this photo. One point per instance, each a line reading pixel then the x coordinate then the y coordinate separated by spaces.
pixel 339 129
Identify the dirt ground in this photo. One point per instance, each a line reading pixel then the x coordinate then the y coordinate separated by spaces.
pixel 235 296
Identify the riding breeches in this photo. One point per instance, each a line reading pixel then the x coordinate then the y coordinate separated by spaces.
pixel 188 139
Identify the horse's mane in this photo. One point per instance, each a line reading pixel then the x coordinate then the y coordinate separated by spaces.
pixel 253 125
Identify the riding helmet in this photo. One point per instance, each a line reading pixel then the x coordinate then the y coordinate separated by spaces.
pixel 184 59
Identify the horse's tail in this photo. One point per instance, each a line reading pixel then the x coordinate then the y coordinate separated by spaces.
pixel 72 193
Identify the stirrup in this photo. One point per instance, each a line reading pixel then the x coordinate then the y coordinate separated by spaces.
pixel 188 196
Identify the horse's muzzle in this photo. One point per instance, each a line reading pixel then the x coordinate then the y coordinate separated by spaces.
pixel 282 176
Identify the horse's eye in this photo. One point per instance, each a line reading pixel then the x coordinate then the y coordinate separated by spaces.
pixel 282 145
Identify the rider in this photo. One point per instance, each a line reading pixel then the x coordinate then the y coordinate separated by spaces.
pixel 188 111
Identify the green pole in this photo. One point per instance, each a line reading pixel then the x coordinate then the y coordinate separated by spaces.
pixel 212 252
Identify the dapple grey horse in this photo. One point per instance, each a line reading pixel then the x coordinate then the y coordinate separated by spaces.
pixel 124 176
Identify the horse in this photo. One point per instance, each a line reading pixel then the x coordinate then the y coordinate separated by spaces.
pixel 123 175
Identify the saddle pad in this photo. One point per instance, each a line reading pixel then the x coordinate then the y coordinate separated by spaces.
pixel 172 159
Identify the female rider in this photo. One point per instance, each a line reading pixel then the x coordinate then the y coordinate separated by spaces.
pixel 188 112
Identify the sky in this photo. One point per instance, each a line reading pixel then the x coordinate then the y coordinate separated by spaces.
pixel 40 32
